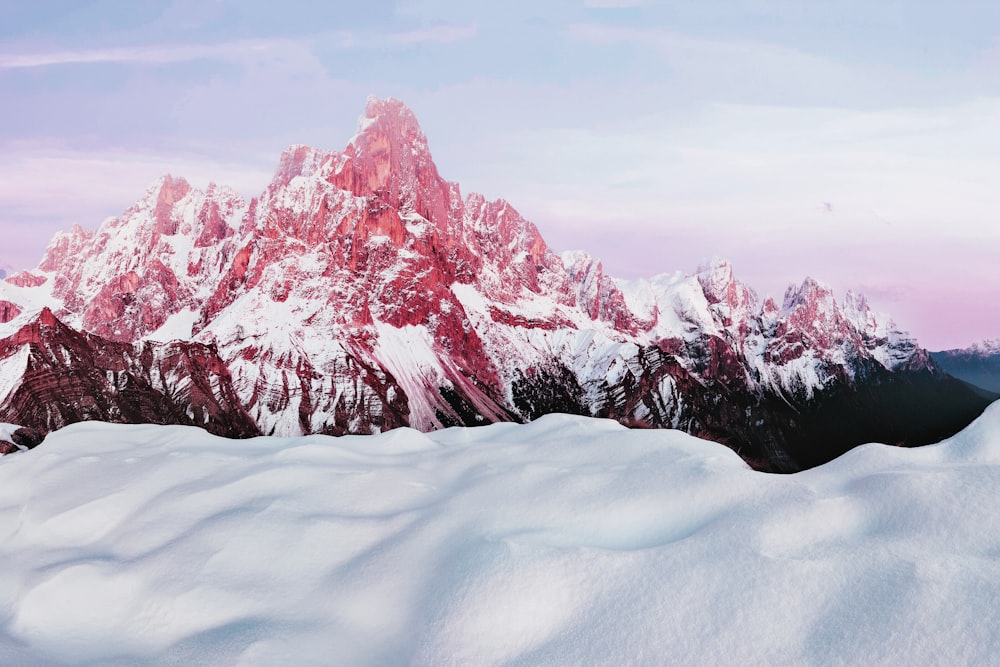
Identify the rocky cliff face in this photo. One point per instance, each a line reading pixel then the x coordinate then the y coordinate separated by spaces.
pixel 361 291
pixel 55 375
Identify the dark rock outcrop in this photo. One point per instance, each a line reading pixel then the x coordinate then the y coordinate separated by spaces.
pixel 27 437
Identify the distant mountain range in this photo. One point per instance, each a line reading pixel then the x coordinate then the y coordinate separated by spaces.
pixel 360 291
pixel 978 364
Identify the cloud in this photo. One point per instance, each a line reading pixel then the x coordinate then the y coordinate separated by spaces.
pixel 682 51
pixel 763 72
pixel 153 55
pixel 443 34
pixel 612 4
pixel 774 166
pixel 238 50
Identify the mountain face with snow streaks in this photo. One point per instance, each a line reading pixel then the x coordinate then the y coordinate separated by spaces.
pixel 360 291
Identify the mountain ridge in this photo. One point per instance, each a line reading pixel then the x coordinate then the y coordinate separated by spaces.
pixel 361 291
pixel 978 364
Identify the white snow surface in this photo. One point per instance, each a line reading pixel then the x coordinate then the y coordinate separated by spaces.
pixel 568 541
pixel 178 326
pixel 30 300
pixel 6 430
pixel 408 354
pixel 12 371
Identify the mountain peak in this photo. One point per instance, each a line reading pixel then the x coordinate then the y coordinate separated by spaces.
pixel 376 106
pixel 169 191
pixel 167 188
pixel 987 347
pixel 810 293
pixel 716 278
pixel 390 119
pixel 299 160
pixel 65 246
pixel 390 159
pixel 857 309
pixel 715 264
pixel 720 286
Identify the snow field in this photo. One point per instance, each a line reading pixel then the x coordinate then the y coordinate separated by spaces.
pixel 567 541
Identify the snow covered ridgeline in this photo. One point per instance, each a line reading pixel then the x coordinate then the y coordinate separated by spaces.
pixel 361 291
pixel 565 541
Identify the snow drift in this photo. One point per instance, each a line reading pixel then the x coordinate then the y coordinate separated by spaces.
pixel 569 540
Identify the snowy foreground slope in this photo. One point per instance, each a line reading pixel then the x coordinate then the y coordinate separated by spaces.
pixel 566 541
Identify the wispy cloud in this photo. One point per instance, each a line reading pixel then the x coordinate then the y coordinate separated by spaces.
pixel 749 70
pixel 444 34
pixel 676 46
pixel 613 4
pixel 160 54
pixel 237 50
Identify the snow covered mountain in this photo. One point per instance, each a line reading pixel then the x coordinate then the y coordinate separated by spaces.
pixel 361 292
pixel 978 364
